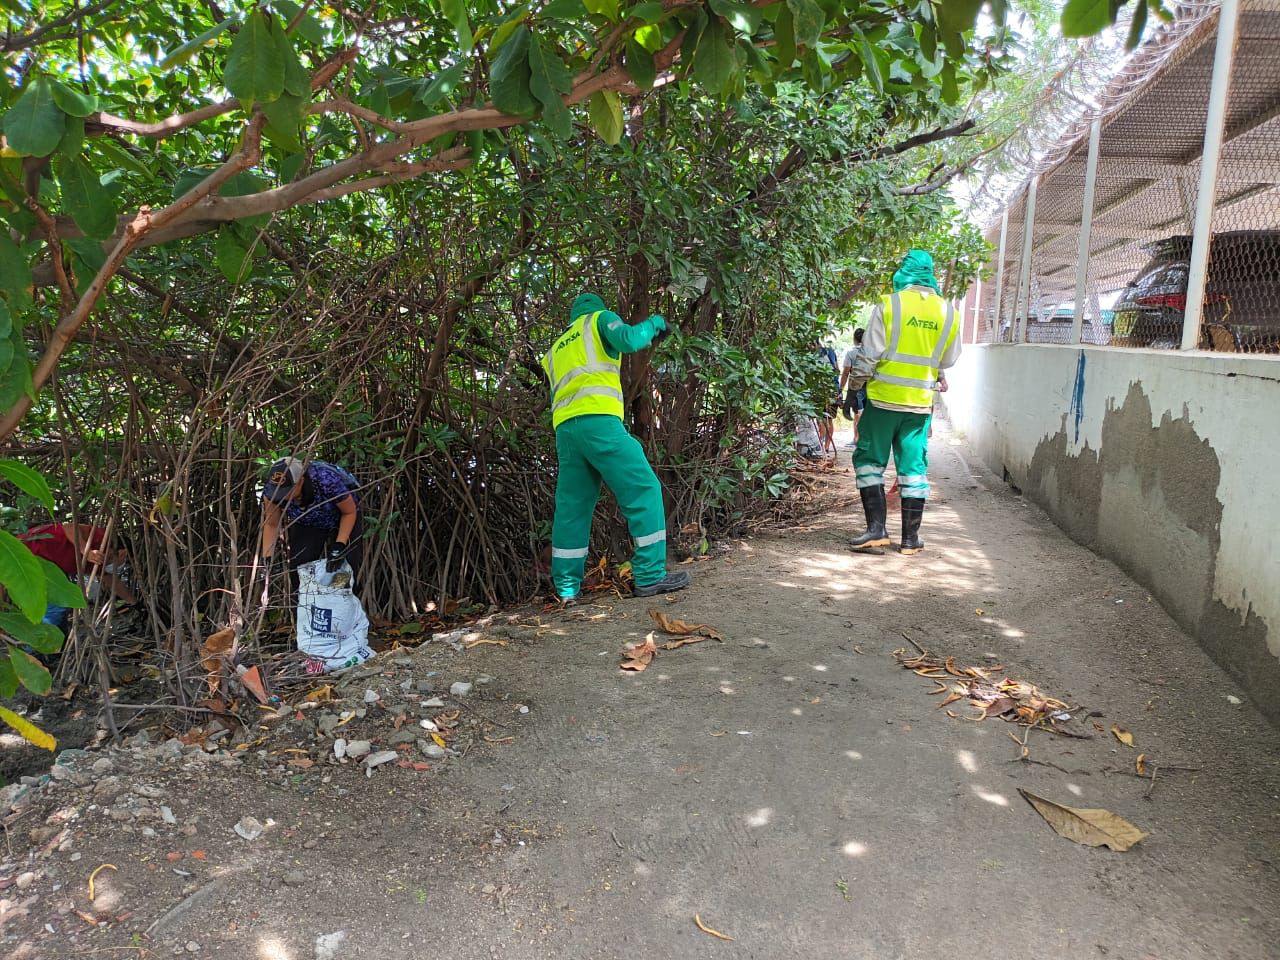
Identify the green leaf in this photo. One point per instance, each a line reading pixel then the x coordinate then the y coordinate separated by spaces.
pixel 291 166
pixel 713 61
pixel 6 356
pixel 808 18
pixel 284 118
pixel 22 577
pixel 871 64
pixel 72 142
pixel 15 272
pixel 563 10
pixel 958 16
pixel 640 66
pixel 1137 25
pixel 950 89
pixel 235 261
pixel 40 637
pixel 27 480
pixel 509 78
pixel 71 101
pixel 184 53
pixel 784 36
pixel 742 17
pixel 30 671
pixel 34 125
pixel 15 383
pixel 6 326
pixel 90 206
pixel 443 84
pixel 296 79
pixel 255 66
pixel 8 680
pixel 607 8
pixel 1084 18
pixel 455 11
pixel 606 115
pixel 508 27
pixel 309 28
pixel 87 259
pixel 648 12
pixel 649 37
pixel 61 590
pixel 121 157
pixel 548 80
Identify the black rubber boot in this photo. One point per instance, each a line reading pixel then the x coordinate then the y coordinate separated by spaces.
pixel 873 504
pixel 912 514
pixel 668 584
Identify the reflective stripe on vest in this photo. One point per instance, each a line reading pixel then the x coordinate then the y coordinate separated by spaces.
pixel 907 372
pixel 584 378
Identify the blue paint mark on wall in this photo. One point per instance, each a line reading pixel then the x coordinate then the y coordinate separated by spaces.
pixel 1076 409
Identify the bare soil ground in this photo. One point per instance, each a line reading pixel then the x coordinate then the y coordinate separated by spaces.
pixel 793 786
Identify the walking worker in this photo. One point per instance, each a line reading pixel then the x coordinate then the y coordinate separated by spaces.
pixel 593 446
pixel 910 337
pixel 317 506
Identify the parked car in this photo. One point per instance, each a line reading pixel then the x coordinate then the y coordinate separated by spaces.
pixel 1241 301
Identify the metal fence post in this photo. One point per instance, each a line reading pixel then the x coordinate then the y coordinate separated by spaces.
pixel 1223 55
pixel 995 304
pixel 1020 310
pixel 1086 227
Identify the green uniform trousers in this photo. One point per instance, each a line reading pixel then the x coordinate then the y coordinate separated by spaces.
pixel 592 449
pixel 906 436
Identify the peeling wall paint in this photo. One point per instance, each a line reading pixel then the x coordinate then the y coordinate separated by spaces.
pixel 1166 463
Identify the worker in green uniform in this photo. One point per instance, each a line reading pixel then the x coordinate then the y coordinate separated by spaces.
pixel 584 367
pixel 911 336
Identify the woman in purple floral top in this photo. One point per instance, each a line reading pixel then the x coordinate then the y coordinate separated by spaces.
pixel 319 511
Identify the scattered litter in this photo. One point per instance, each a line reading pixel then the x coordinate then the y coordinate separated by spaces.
pixel 328 945
pixel 248 828
pixel 167 816
pixel 1092 828
pixel 705 929
pixel 1233 700
pixel 1014 700
pixel 1124 736
pixel 94 876
pixel 744 733
pixel 718 733
pixel 377 760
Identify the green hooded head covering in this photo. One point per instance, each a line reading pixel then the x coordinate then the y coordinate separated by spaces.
pixel 917 268
pixel 585 303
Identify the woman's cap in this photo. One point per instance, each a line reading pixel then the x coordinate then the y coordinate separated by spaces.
pixel 282 477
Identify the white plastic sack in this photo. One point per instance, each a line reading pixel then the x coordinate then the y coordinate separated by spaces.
pixel 332 626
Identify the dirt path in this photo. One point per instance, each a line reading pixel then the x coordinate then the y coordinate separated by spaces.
pixel 793 786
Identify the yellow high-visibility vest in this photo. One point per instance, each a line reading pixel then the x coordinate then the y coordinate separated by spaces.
pixel 584 378
pixel 918 328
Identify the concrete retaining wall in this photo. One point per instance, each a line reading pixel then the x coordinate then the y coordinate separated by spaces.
pixel 1166 463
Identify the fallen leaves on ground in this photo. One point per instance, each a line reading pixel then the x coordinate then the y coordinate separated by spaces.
pixel 705 929
pixel 212 653
pixel 1123 735
pixel 637 656
pixel 682 627
pixel 1093 828
pixel 1014 700
pixel 1140 765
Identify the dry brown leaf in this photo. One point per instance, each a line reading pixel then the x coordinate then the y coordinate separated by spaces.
pixel 951 667
pixel 215 647
pixel 705 929
pixel 1124 736
pixel 1140 765
pixel 1093 828
pixel 682 627
pixel 952 697
pixel 677 644
pixel 637 656
pixel 320 693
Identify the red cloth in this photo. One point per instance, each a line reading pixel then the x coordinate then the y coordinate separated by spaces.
pixel 50 541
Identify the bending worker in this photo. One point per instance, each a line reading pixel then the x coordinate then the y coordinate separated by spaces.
pixel 910 337
pixel 584 367
pixel 316 504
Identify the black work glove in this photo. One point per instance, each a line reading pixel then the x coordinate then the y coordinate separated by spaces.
pixel 333 559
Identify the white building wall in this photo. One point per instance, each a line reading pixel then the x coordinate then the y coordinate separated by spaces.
pixel 1168 463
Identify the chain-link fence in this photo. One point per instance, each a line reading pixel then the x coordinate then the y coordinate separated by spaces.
pixel 1113 210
